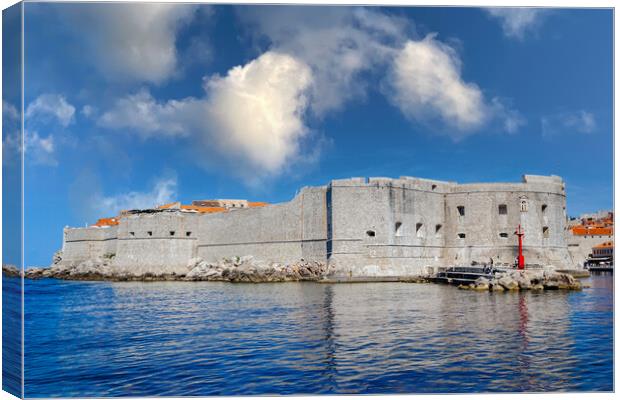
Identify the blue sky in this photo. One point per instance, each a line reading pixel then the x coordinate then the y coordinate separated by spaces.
pixel 135 105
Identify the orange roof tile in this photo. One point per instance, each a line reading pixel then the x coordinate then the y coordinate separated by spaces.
pixel 200 209
pixel 580 230
pixel 106 222
pixel 257 204
pixel 604 245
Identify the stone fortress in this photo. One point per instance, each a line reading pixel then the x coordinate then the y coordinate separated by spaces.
pixel 358 227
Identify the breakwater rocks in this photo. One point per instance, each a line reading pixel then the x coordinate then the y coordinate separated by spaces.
pixel 238 269
pixel 525 280
pixel 10 270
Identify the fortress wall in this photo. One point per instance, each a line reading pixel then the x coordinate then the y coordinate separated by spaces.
pixel 391 209
pixel 378 227
pixel 273 233
pixel 80 244
pixel 482 223
pixel 580 246
pixel 161 248
pixel 314 223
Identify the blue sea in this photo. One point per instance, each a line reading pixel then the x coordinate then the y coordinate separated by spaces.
pixel 87 339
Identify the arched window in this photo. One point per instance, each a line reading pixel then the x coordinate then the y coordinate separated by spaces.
pixel 523 204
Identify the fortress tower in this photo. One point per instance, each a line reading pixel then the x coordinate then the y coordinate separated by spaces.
pixel 376 227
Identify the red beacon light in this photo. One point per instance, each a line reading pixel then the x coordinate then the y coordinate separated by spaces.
pixel 520 260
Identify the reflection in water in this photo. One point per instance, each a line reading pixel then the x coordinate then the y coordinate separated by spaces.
pixel 181 338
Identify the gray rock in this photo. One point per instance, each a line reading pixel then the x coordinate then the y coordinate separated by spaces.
pixel 508 283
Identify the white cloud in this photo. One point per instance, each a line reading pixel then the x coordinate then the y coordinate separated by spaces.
pixel 516 22
pixel 348 49
pixel 141 113
pixel 50 105
pixel 11 138
pixel 9 111
pixel 425 81
pixel 40 150
pixel 339 45
pixel 257 110
pixel 251 118
pixel 580 121
pixel 88 110
pixel 511 119
pixel 133 41
pixel 163 191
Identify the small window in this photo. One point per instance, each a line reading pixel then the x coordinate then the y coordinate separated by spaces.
pixel 503 235
pixel 433 187
pixel 545 231
pixel 461 236
pixel 150 233
pixel 370 233
pixel 418 230
pixel 132 233
pixel 543 208
pixel 172 233
pixel 188 234
pixel 503 209
pixel 523 204
pixel 398 229
pixel 438 230
pixel 461 210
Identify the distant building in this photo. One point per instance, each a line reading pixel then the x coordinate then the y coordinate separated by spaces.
pixel 602 255
pixel 587 232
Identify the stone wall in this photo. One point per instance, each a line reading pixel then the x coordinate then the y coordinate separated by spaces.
pixel 375 227
pixel 580 246
pixel 80 244
pixel 386 227
pixel 163 239
pixel 489 234
pixel 285 232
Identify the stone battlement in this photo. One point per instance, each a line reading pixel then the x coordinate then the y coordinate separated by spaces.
pixel 359 227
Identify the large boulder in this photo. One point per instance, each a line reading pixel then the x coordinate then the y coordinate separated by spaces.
pixel 508 283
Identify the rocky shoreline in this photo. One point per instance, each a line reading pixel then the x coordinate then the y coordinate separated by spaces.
pixel 525 280
pixel 249 270
pixel 239 269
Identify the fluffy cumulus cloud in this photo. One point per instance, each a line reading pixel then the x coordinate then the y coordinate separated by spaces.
pixel 258 108
pixel 254 120
pixel 425 83
pixel 252 117
pixel 580 121
pixel 516 22
pixel 50 106
pixel 425 79
pixel 345 49
pixel 340 45
pixel 163 191
pixel 131 41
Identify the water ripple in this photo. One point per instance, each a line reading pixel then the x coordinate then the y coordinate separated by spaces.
pixel 99 339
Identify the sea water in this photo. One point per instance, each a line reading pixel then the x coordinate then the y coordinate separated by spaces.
pixel 87 339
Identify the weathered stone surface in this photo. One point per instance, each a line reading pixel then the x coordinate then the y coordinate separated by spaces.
pixel 530 280
pixel 239 269
pixel 508 283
